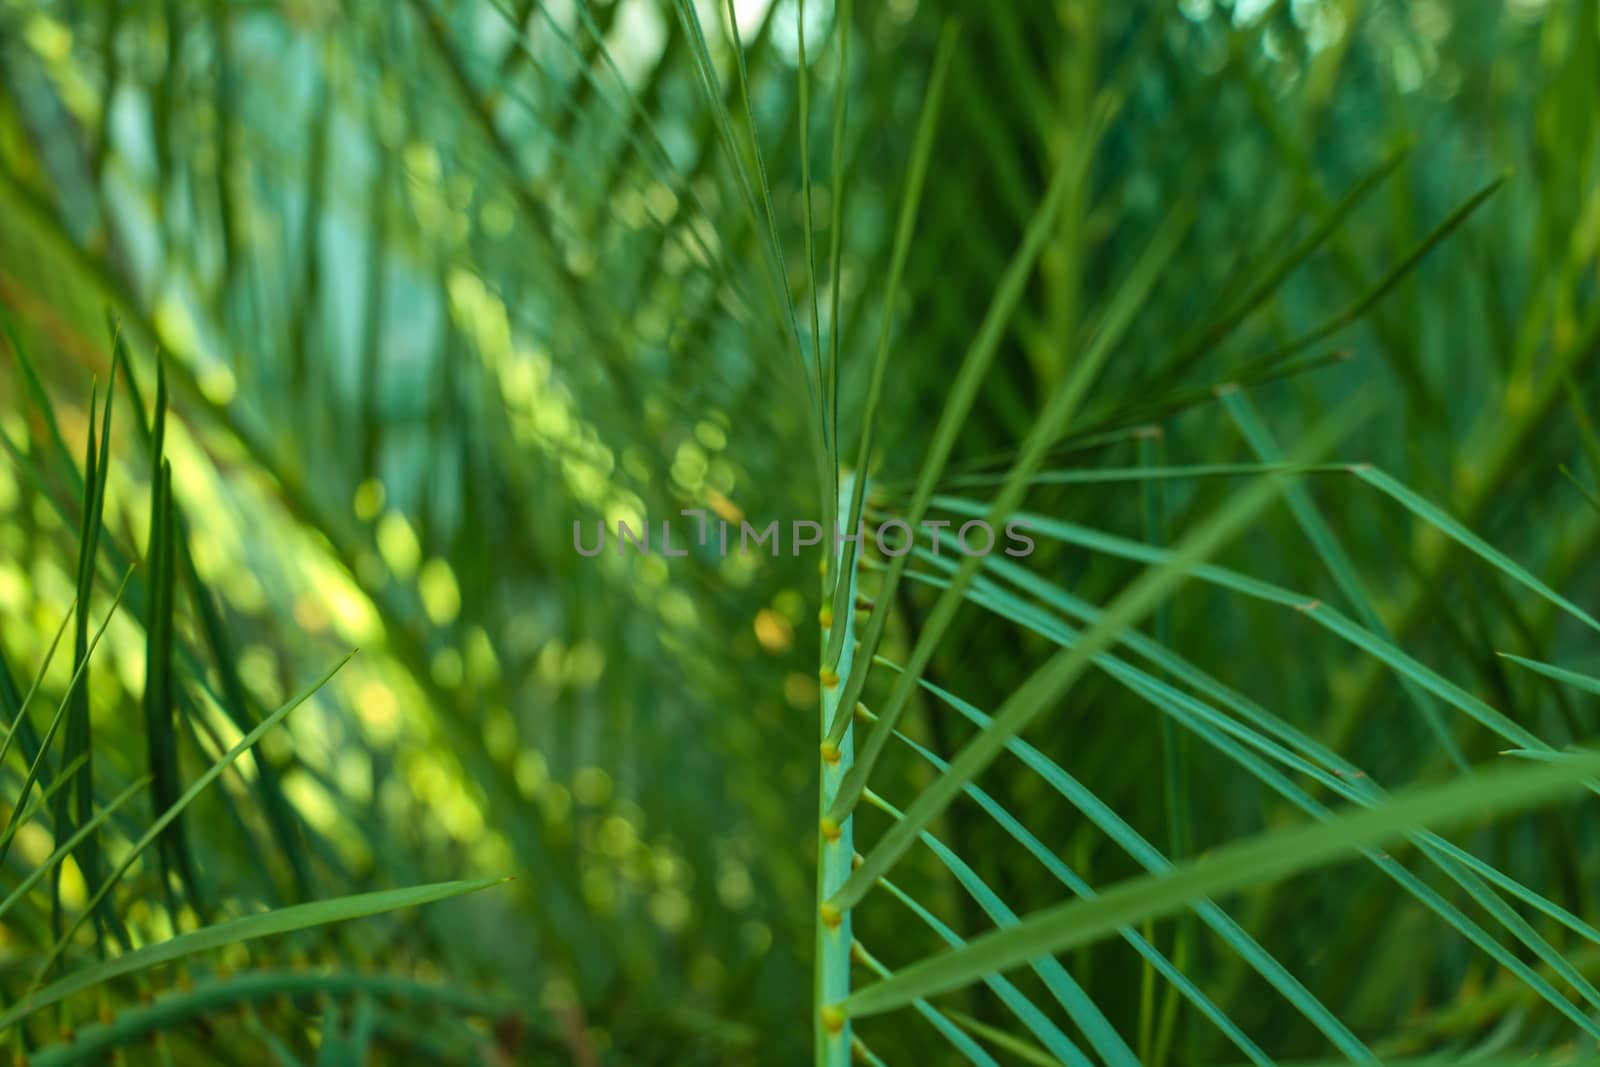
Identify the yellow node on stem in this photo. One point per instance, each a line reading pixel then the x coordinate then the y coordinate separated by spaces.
pixel 832 1019
pixel 831 916
pixel 829 678
pixel 830 829
pixel 830 752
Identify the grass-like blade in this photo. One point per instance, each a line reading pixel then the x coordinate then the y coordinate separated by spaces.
pixel 1083 1012
pixel 910 204
pixel 13 722
pixel 1264 858
pixel 50 731
pixel 1063 873
pixel 21 726
pixel 1383 285
pixel 39 802
pixel 35 389
pixel 49 863
pixel 1115 827
pixel 1241 746
pixel 1058 414
pixel 75 806
pixel 1335 559
pixel 844 16
pixel 959 399
pixel 196 787
pixel 1446 524
pixel 1311 608
pixel 1274 276
pixel 233 696
pixel 1035 1021
pixel 1046 686
pixel 969 1049
pixel 234 931
pixel 223 991
pixel 1587 683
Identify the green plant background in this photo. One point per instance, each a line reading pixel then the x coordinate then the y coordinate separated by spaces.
pixel 395 293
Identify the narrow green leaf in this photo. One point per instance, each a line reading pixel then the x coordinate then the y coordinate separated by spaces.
pixel 1334 558
pixel 1264 858
pixel 970 1050
pixel 235 931
pixel 1308 607
pixel 1063 873
pixel 61 711
pixel 1047 685
pixel 219 992
pixel 40 801
pixel 1034 1020
pixel 803 78
pixel 1052 424
pixel 1001 1039
pixel 1273 278
pixel 1384 285
pixel 1230 739
pixel 49 863
pixel 1276 739
pixel 35 389
pixel 18 729
pixel 910 205
pixel 1103 475
pixel 958 402
pixel 1114 826
pixel 233 698
pixel 1447 525
pixel 1585 682
pixel 197 787
pixel 1083 1012
pixel 844 16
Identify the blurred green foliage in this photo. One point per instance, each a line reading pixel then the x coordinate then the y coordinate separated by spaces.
pixel 431 281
